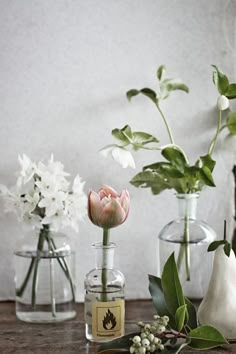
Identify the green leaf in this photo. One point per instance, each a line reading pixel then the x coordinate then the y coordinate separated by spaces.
pixel 231 92
pixel 119 135
pixel 171 286
pixel 180 316
pixel 149 179
pixel 118 345
pixel 169 85
pixel 175 156
pixel 231 123
pixel 227 248
pixel 165 169
pixel 208 162
pixel 132 93
pixel 215 244
pixel 192 315
pixel 158 299
pixel 206 337
pixel 220 80
pixel 207 176
pixel 149 93
pixel 140 139
pixel 160 71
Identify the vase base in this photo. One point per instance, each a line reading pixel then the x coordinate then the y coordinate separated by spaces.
pixel 46 317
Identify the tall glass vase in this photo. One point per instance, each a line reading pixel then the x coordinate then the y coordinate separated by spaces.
pixel 104 297
pixel 44 277
pixel 189 239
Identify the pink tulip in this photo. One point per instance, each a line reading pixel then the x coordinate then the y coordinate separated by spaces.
pixel 108 209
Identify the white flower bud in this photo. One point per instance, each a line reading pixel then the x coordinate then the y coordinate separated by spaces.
pixel 151 337
pixel 222 103
pixel 132 350
pixel 145 343
pixel 143 335
pixel 161 347
pixel 136 339
pixel 161 329
pixel 142 350
pixel 156 340
pixel 147 327
pixel 166 318
pixel 152 348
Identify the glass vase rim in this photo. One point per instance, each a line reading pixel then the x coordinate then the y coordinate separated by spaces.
pixel 193 195
pixel 99 245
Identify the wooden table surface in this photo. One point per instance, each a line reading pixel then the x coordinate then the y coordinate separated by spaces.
pixel 68 337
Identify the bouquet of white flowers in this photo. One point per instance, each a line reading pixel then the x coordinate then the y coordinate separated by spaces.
pixel 44 199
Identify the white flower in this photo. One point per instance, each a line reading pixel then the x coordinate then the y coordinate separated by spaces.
pixel 28 170
pixel 56 221
pixel 42 196
pixel 222 103
pixel 119 154
pixel 52 202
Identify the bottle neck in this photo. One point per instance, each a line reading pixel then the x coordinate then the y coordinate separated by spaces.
pixel 104 255
pixel 187 205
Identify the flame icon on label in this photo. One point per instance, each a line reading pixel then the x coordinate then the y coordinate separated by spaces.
pixel 109 321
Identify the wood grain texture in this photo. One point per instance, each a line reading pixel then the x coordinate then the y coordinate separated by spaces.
pixel 68 337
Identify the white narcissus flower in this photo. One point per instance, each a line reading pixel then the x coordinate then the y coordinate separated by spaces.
pixel 119 154
pixel 52 202
pixel 222 103
pixel 42 196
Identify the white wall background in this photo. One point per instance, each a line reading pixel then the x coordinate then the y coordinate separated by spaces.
pixel 65 66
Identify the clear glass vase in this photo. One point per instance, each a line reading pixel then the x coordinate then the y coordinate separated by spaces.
pixel 104 297
pixel 44 277
pixel 189 239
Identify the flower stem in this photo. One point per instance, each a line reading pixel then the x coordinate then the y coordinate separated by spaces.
pixel 184 248
pixel 166 124
pixel 52 291
pixel 42 235
pixel 105 243
pixel 218 130
pixel 63 264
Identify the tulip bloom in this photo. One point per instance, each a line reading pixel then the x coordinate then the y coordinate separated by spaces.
pixel 108 209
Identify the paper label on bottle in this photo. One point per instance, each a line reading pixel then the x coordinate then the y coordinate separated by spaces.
pixel 108 319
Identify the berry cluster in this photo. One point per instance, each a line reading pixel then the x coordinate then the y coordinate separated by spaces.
pixel 149 341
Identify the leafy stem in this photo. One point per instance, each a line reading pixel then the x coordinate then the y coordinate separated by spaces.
pixel 166 124
pixel 218 130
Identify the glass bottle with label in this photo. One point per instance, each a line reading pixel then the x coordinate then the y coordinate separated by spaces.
pixel 104 297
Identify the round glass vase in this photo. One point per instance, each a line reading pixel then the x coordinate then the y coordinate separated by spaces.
pixel 189 239
pixel 104 297
pixel 44 277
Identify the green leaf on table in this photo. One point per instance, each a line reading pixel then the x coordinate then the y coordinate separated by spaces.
pixel 192 315
pixel 160 71
pixel 175 156
pixel 231 123
pixel 231 91
pixel 180 316
pixel 220 80
pixel 207 176
pixel 155 289
pixel 215 244
pixel 171 286
pixel 206 337
pixel 118 345
pixel 208 162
